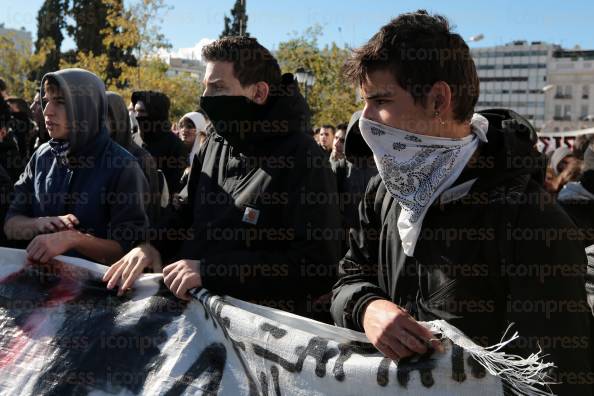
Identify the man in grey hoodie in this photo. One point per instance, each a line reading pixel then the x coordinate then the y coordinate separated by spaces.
pixel 81 193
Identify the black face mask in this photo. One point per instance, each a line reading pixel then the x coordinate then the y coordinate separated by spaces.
pixel 151 129
pixel 144 125
pixel 242 122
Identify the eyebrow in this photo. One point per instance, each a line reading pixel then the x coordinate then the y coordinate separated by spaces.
pixel 378 95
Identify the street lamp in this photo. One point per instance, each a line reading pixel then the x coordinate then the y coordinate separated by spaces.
pixel 547 88
pixel 305 77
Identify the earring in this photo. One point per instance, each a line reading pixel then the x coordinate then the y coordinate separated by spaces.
pixel 436 115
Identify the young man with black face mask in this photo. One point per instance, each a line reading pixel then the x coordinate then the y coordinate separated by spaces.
pixel 261 208
pixel 151 110
pixel 452 227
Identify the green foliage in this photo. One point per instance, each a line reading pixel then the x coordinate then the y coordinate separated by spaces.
pixel 101 28
pixel 50 22
pixel 238 25
pixel 17 63
pixel 331 99
pixel 151 74
pixel 136 30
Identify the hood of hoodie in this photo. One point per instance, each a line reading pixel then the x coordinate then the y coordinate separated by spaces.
pixel 250 127
pixel 510 152
pixel 86 107
pixel 156 123
pixel 119 120
pixel 356 150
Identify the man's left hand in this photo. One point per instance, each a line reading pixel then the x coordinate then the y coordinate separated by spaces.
pixel 182 276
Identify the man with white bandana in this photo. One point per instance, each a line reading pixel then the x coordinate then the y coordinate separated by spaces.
pixel 451 227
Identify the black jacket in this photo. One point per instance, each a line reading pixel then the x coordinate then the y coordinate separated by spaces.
pixel 262 223
pixel 501 254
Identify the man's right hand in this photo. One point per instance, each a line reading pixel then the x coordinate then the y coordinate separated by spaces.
pixel 45 225
pixel 127 269
pixel 394 332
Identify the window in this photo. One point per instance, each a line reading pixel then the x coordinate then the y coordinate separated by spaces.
pixel 567 112
pixel 585 92
pixel 584 111
pixel 568 91
pixel 558 111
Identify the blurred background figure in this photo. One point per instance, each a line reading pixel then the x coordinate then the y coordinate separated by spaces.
pixel 22 126
pixel 121 133
pixel 3 89
pixel 326 137
pixel 10 158
pixel 564 167
pixel 151 110
pixel 192 126
pixel 41 136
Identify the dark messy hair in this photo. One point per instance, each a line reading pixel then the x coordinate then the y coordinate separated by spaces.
pixel 252 62
pixel 419 50
pixel 328 126
pixel 3 86
pixel 343 126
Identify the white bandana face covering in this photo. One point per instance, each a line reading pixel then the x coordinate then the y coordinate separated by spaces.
pixel 416 169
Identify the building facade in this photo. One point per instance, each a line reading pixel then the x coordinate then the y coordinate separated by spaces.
pixel 193 67
pixel 570 100
pixel 513 76
pixel 550 86
pixel 22 38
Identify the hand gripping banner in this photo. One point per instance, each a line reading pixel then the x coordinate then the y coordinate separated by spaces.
pixel 63 333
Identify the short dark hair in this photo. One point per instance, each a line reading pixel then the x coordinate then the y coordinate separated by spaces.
pixel 343 126
pixel 20 103
pixel 420 50
pixel 252 62
pixel 328 126
pixel 2 84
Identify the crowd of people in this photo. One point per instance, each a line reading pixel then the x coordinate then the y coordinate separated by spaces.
pixel 415 209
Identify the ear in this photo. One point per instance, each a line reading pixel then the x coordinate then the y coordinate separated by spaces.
pixel 440 98
pixel 261 92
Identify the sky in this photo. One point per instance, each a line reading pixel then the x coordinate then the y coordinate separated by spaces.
pixel 190 23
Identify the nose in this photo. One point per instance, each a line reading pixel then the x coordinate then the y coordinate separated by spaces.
pixel 369 112
pixel 49 109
